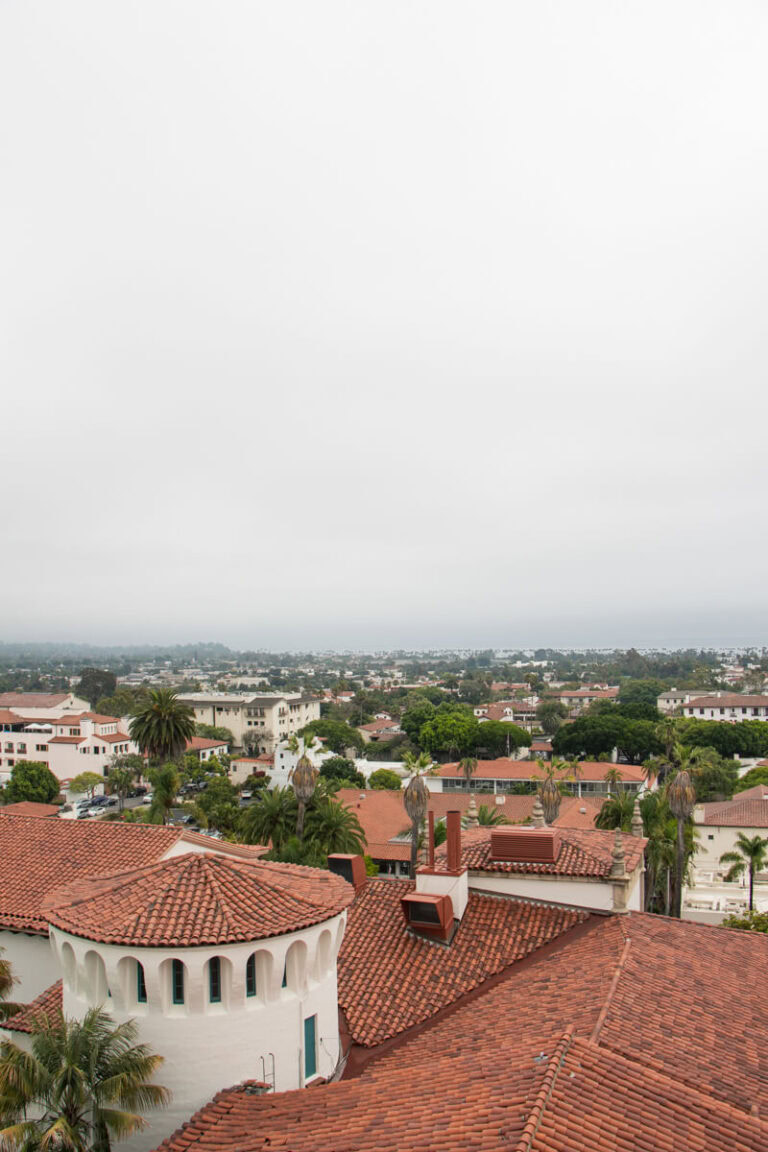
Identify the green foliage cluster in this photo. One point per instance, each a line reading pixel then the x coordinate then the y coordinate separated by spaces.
pixel 329 826
pixel 215 732
pixel 384 779
pixel 337 734
pixel 748 921
pixel 452 730
pixel 597 734
pixel 94 683
pixel 31 780
pixel 341 772
pixel 751 779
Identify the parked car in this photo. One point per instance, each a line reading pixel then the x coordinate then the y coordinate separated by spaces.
pixel 139 790
pixel 246 795
pixel 147 798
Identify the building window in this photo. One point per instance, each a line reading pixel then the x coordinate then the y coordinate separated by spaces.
pixel 250 976
pixel 310 1046
pixel 177 982
pixel 285 975
pixel 141 986
pixel 21 747
pixel 214 980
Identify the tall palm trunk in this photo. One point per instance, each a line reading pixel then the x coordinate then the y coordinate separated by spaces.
pixel 751 885
pixel 679 871
pixel 301 812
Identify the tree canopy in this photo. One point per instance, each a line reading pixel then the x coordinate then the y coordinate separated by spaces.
pixel 31 780
pixel 384 779
pixel 95 683
pixel 162 725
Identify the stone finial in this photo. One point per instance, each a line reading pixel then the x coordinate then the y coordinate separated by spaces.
pixel 472 820
pixel 637 820
pixel 617 855
pixel 537 816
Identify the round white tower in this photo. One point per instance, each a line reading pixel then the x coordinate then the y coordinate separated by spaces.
pixel 228 968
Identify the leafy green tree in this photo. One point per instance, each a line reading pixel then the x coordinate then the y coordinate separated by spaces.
pixel 215 732
pixel 749 855
pixel 331 827
pixel 550 715
pixel 85 783
pixel 95 683
pixel 165 782
pixel 6 984
pixel 83 1084
pixel 500 738
pixel 124 701
pixel 751 779
pixel 120 780
pixel 295 851
pixel 270 819
pixel 638 699
pixel 452 733
pixel 638 740
pixel 337 735
pixel 162 725
pixel 31 780
pixel 714 776
pixel 342 771
pixel 384 779
pixel 218 805
pixel 416 715
pixel 589 736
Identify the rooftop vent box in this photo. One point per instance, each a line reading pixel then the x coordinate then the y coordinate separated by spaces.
pixel 525 845
pixel 350 868
pixel 429 915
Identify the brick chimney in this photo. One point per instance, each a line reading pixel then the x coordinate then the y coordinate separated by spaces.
pixel 453 880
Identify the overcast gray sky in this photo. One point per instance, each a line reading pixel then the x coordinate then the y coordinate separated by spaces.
pixel 352 323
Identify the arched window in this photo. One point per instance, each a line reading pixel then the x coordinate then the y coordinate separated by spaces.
pixel 214 980
pixel 141 984
pixel 250 975
pixel 177 982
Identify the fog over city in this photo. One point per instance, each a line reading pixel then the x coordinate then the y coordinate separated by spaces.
pixel 352 324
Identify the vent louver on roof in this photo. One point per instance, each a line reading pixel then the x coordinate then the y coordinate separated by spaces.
pixel 526 845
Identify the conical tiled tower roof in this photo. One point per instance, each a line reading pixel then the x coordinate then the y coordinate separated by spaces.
pixel 198 899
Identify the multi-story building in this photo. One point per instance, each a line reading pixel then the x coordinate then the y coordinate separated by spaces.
pixel 272 718
pixel 46 705
pixel 68 745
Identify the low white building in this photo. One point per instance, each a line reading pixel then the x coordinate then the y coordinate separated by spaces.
pixel 33 705
pixel 709 897
pixel 727 708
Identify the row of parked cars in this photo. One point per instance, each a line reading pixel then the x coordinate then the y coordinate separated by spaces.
pixel 95 805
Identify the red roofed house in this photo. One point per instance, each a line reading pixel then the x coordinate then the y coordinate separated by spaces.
pixel 385 729
pixel 69 744
pixel 709 897
pixel 585 777
pixel 727 708
pixel 204 748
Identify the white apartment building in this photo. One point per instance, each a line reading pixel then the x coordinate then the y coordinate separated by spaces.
pixel 728 708
pixel 273 717
pixel 68 745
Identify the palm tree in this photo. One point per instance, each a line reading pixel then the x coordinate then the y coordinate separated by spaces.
pixel 616 812
pixel 271 818
pixel 334 828
pixel 85 1082
pixel 549 791
pixel 681 797
pixel 468 766
pixel 6 983
pixel 162 725
pixel 304 780
pixel 165 783
pixel 750 853
pixel 488 817
pixel 416 798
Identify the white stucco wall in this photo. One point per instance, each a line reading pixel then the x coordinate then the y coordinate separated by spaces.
pixel 208 1047
pixel 33 962
pixel 593 894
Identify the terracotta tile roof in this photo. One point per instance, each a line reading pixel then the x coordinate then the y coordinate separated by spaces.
pixel 582 853
pixel 503 769
pixel 382 814
pixel 390 979
pixel 66 740
pixel 736 813
pixel 728 700
pixel 199 743
pixel 7 717
pixel 112 737
pixel 381 726
pixel 30 808
pixel 47 1004
pixel 606 1040
pixel 758 792
pixel 198 899
pixel 32 699
pixel 38 855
